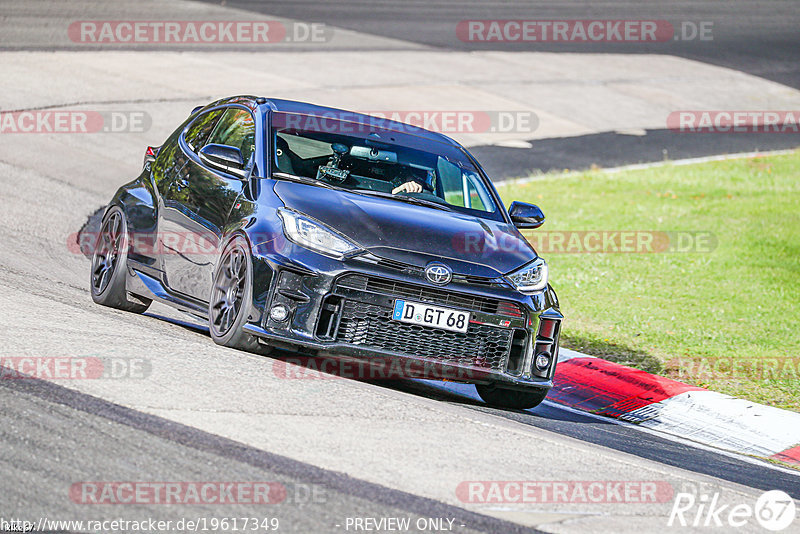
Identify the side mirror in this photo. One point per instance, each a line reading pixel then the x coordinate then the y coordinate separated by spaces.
pixel 526 215
pixel 224 158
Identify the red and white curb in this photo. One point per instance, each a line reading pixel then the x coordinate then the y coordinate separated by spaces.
pixel 678 411
pixel 609 389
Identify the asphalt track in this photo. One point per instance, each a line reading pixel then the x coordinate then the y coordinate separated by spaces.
pixel 62 426
pixel 757 37
pixel 205 413
pixel 613 149
pixel 585 427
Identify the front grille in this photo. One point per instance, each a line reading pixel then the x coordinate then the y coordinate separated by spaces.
pixel 420 293
pixel 372 326
pixel 399 266
pixel 479 281
pixel 416 270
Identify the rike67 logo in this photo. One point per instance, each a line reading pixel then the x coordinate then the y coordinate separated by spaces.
pixel 774 510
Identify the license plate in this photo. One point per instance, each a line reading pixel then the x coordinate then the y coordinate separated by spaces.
pixel 433 316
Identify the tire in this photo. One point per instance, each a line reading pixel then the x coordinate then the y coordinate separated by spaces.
pixel 109 266
pixel 513 399
pixel 231 293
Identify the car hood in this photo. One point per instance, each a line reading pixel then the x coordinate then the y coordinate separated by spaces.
pixel 412 234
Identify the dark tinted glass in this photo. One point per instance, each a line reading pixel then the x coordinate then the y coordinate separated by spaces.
pixel 200 128
pixel 237 129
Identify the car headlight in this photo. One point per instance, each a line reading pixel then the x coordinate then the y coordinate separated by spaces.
pixel 314 235
pixel 532 277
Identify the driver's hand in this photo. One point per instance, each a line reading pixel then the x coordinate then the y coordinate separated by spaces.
pixel 408 187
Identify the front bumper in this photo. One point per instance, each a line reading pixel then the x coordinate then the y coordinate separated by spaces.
pixel 343 308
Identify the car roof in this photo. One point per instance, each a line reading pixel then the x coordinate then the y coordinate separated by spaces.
pixel 293 106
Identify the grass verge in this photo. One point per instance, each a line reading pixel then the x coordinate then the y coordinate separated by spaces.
pixel 715 299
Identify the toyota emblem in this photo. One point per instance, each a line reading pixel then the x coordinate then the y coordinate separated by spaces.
pixel 438 273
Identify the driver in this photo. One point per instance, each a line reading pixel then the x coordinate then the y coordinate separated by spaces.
pixel 414 183
pixel 409 187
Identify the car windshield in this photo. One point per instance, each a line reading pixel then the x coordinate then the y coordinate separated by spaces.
pixel 367 159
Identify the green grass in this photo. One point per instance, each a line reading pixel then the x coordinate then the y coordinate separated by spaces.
pixel 676 313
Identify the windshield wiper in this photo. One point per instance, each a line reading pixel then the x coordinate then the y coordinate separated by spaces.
pixel 410 200
pixel 303 180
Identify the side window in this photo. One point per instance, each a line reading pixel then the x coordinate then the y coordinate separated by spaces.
pixel 169 161
pixel 450 178
pixel 477 196
pixel 463 188
pixel 236 128
pixel 202 126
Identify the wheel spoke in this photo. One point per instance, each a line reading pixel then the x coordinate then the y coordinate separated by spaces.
pixel 224 319
pixel 221 303
pixel 236 261
pixel 228 268
pixel 115 225
pixel 104 279
pixel 220 310
pixel 97 275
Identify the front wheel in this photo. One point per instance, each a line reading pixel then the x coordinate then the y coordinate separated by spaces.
pixel 231 292
pixel 514 399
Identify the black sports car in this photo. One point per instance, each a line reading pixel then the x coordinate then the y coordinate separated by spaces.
pixel 293 226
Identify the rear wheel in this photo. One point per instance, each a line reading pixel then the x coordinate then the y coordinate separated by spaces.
pixel 109 265
pixel 514 399
pixel 231 293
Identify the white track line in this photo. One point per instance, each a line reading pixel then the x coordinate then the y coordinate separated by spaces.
pixel 678 439
pixel 723 421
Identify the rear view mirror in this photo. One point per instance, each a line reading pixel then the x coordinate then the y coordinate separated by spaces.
pixel 526 215
pixel 224 158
